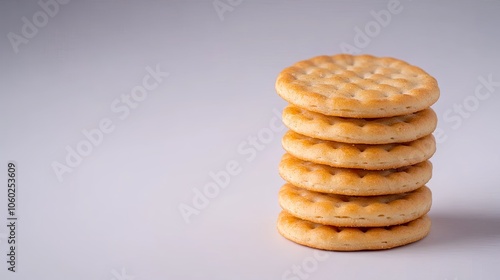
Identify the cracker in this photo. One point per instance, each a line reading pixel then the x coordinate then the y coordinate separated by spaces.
pixel 355 211
pixel 357 86
pixel 351 239
pixel 403 128
pixel 371 157
pixel 350 181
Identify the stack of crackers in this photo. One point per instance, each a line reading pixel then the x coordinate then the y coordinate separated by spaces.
pixel 357 152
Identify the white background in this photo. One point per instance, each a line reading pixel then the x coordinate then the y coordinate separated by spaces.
pixel 116 214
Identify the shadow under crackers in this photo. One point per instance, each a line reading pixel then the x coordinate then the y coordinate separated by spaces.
pixel 473 230
pixel 448 230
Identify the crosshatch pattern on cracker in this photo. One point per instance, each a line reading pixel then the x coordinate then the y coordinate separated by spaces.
pixel 361 86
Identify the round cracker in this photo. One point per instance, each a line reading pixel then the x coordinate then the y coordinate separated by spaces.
pixel 357 86
pixel 371 157
pixel 350 181
pixel 351 239
pixel 403 128
pixel 355 211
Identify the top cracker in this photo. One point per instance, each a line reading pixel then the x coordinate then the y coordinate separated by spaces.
pixel 357 86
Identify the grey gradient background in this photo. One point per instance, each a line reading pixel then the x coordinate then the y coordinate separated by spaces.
pixel 115 216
